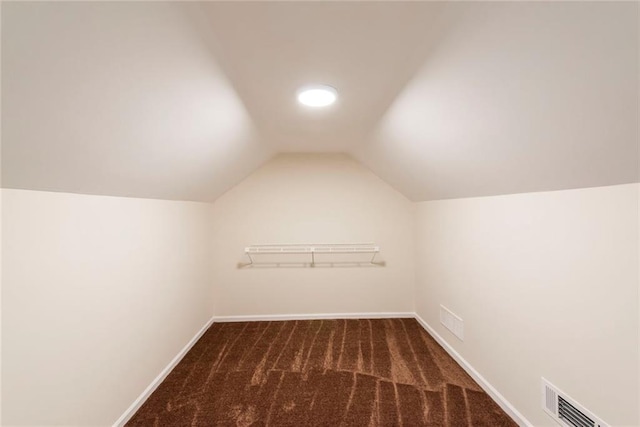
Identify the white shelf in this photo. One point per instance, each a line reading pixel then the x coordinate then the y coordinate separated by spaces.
pixel 312 249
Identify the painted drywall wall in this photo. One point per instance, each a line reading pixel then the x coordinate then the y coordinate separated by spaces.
pixel 99 295
pixel 312 198
pixel 547 285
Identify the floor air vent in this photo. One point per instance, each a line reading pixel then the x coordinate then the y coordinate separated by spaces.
pixel 566 411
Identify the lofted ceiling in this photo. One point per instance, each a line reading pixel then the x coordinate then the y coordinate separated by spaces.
pixel 368 51
pixel 517 97
pixel 121 99
pixel 440 99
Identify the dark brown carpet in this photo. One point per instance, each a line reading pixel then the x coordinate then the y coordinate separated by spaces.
pixel 386 372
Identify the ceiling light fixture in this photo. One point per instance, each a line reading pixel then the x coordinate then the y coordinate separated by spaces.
pixel 317 95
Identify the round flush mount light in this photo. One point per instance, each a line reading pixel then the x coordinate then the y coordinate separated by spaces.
pixel 317 95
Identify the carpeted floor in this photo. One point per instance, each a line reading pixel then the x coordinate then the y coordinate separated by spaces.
pixel 381 372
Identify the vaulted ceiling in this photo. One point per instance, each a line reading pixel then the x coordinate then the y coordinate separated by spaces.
pixel 441 99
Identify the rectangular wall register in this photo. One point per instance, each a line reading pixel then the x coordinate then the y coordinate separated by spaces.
pixel 452 322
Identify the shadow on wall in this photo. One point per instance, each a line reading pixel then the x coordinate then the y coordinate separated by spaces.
pixel 340 264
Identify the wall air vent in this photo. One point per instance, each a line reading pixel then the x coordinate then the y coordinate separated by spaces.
pixel 452 322
pixel 566 411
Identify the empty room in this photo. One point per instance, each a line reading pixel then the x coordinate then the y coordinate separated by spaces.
pixel 320 213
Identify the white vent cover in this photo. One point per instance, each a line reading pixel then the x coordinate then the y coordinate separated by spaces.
pixel 566 411
pixel 452 322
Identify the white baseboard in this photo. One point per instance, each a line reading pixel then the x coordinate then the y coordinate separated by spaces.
pixel 276 317
pixel 486 386
pixel 156 382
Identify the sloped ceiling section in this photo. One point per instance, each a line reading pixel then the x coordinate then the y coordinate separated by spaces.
pixel 119 98
pixel 516 97
pixel 440 99
pixel 367 50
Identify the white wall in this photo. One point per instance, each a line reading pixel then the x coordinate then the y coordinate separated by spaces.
pixel 99 294
pixel 547 285
pixel 322 198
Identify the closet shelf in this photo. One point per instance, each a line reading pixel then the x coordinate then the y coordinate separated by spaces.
pixel 312 249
